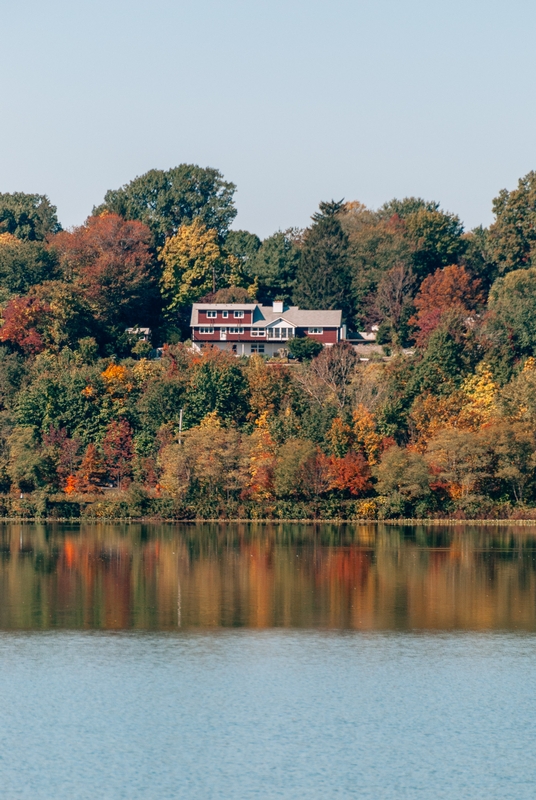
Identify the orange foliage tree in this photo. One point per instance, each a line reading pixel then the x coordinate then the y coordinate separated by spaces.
pixel 350 473
pixel 450 287
pixel 111 260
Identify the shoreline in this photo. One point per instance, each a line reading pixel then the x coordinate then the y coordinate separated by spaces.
pixel 266 521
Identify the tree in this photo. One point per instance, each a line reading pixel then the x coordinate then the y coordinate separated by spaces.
pixel 403 472
pixel 25 321
pixel 334 368
pixel 350 473
pixel 262 461
pixel 436 238
pixel 406 207
pixel 216 383
pixel 304 348
pixel 24 263
pixel 447 289
pixel 294 461
pixel 322 277
pixel 512 236
pixel 244 246
pixel 394 300
pixel 274 265
pixel 92 472
pixel 193 265
pixel 28 216
pixel 376 246
pixel 167 199
pixel 118 451
pixel 461 460
pixel 512 305
pixel 112 263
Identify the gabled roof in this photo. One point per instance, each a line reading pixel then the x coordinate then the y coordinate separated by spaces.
pixel 265 315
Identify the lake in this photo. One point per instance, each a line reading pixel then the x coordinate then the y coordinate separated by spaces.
pixel 267 661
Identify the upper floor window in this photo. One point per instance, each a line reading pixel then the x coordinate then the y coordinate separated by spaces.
pixel 212 314
pixel 225 314
pixel 316 330
pixel 238 314
pixel 206 330
pixel 235 330
pixel 258 332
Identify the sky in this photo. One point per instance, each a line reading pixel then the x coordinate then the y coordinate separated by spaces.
pixel 294 101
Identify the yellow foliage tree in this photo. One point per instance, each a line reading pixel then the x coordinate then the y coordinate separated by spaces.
pixel 193 264
pixel 261 460
pixel 480 395
pixel 366 435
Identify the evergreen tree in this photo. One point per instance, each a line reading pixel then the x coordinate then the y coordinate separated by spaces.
pixel 322 278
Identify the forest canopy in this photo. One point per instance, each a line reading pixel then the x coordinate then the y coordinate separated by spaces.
pixel 436 417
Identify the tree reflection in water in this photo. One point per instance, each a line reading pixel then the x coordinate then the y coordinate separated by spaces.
pixel 357 577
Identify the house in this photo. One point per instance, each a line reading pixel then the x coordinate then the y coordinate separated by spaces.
pixel 246 328
pixel 140 334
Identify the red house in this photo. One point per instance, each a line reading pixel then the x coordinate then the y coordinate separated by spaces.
pixel 246 328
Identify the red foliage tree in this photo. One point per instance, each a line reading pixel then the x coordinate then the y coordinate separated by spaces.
pixel 448 288
pixel 24 325
pixel 351 473
pixel 112 261
pixel 118 451
pixel 92 471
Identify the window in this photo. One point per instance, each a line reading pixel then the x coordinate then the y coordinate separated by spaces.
pixel 281 333
pixel 257 347
pixel 212 314
pixel 225 314
pixel 238 314
pixel 235 330
pixel 258 332
pixel 316 330
pixel 206 330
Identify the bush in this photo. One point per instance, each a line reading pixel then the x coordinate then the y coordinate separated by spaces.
pixel 304 349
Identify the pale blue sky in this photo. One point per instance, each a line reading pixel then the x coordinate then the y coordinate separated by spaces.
pixel 296 101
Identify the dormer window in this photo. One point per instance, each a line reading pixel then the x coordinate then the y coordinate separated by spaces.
pixel 225 314
pixel 238 314
pixel 212 314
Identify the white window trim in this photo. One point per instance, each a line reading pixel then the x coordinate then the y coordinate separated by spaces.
pixel 207 329
pixel 225 314
pixel 235 330
pixel 238 314
pixel 212 314
pixel 258 332
pixel 315 330
pixel 256 347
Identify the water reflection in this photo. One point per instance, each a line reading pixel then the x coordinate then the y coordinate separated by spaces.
pixel 349 577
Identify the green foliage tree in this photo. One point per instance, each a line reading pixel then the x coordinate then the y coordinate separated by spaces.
pixel 322 277
pixel 217 384
pixel 274 265
pixel 403 477
pixel 512 236
pixel 304 348
pixel 28 216
pixel 24 263
pixel 512 306
pixel 166 199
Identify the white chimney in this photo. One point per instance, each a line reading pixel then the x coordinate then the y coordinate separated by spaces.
pixel 278 306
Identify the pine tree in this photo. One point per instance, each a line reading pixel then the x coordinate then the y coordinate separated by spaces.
pixel 323 279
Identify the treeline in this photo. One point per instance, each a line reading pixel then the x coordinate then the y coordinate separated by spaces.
pixel 90 420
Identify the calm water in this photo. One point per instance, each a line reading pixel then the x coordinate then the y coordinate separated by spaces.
pixel 267 662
